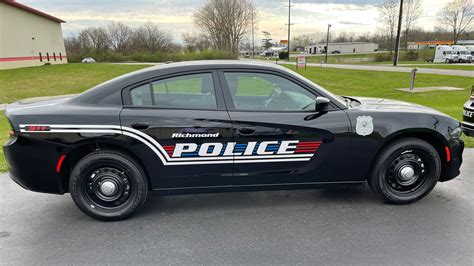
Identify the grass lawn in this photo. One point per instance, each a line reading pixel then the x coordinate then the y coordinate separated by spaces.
pixel 4 129
pixel 444 66
pixel 16 84
pixel 74 78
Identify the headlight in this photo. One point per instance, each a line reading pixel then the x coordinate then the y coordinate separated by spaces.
pixel 455 133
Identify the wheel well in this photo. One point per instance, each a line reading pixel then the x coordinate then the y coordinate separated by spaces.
pixel 78 153
pixel 431 138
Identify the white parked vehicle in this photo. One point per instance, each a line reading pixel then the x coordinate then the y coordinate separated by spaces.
pixel 88 60
pixel 445 54
pixel 470 50
pixel 461 51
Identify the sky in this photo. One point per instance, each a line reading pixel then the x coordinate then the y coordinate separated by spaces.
pixel 176 16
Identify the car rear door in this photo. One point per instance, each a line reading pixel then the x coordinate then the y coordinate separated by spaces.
pixel 171 118
pixel 279 137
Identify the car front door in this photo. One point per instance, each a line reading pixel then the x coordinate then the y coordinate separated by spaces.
pixel 280 139
pixel 180 123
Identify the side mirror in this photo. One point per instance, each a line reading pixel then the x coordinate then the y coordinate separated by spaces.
pixel 322 104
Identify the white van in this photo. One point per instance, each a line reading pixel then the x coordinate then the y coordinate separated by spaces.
pixel 445 54
pixel 461 51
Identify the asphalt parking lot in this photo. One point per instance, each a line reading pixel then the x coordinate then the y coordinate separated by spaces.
pixel 344 226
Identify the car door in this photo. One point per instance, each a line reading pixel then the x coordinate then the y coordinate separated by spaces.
pixel 280 139
pixel 173 117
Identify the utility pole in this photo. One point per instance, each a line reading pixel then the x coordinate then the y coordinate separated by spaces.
pixel 253 34
pixel 289 27
pixel 397 41
pixel 327 44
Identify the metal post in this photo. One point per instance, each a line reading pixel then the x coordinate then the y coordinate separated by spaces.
pixel 412 78
pixel 397 42
pixel 327 44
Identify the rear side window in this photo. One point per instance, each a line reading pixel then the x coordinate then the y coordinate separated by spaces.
pixel 195 91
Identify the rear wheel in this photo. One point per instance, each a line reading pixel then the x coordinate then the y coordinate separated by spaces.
pixel 406 171
pixel 108 185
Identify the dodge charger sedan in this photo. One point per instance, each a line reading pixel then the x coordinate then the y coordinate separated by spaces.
pixel 221 126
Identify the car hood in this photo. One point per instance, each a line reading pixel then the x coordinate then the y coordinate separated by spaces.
pixel 379 104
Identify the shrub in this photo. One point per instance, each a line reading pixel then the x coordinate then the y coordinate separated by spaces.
pixel 283 55
pixel 410 56
pixel 383 57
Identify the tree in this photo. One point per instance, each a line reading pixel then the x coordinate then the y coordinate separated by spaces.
pixel 120 36
pixel 458 15
pixel 412 11
pixel 267 40
pixel 389 18
pixel 149 38
pixel 97 38
pixel 225 22
pixel 196 42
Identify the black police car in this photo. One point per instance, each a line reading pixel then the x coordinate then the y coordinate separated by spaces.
pixel 468 116
pixel 213 126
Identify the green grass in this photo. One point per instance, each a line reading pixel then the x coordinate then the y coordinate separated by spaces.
pixel 74 78
pixel 16 84
pixel 4 129
pixel 444 66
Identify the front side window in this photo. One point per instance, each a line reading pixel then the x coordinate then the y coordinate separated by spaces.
pixel 195 91
pixel 267 92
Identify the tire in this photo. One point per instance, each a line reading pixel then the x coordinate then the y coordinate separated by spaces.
pixel 393 181
pixel 108 185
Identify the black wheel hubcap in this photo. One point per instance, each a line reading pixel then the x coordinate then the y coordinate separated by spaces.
pixel 108 187
pixel 406 173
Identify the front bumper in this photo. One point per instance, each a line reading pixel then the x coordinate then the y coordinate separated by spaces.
pixel 453 166
pixel 32 164
pixel 468 129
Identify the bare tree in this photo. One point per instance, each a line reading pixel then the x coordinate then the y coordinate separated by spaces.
pixel 196 42
pixel 389 18
pixel 412 12
pixel 149 38
pixel 97 38
pixel 458 16
pixel 225 22
pixel 120 36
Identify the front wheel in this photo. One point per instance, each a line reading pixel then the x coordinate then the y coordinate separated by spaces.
pixel 406 171
pixel 108 185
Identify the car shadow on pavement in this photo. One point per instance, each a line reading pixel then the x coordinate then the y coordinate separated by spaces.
pixel 259 200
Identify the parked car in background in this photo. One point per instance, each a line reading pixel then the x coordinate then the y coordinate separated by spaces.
pixel 468 116
pixel 88 60
pixel 462 53
pixel 445 54
pixel 336 52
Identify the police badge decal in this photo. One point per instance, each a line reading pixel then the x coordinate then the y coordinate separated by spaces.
pixel 365 125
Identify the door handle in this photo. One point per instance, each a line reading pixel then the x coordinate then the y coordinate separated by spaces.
pixel 140 125
pixel 246 131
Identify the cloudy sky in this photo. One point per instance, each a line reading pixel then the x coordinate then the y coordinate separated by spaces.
pixel 175 16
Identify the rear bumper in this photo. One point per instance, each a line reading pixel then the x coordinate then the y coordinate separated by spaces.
pixel 468 129
pixel 32 164
pixel 453 167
